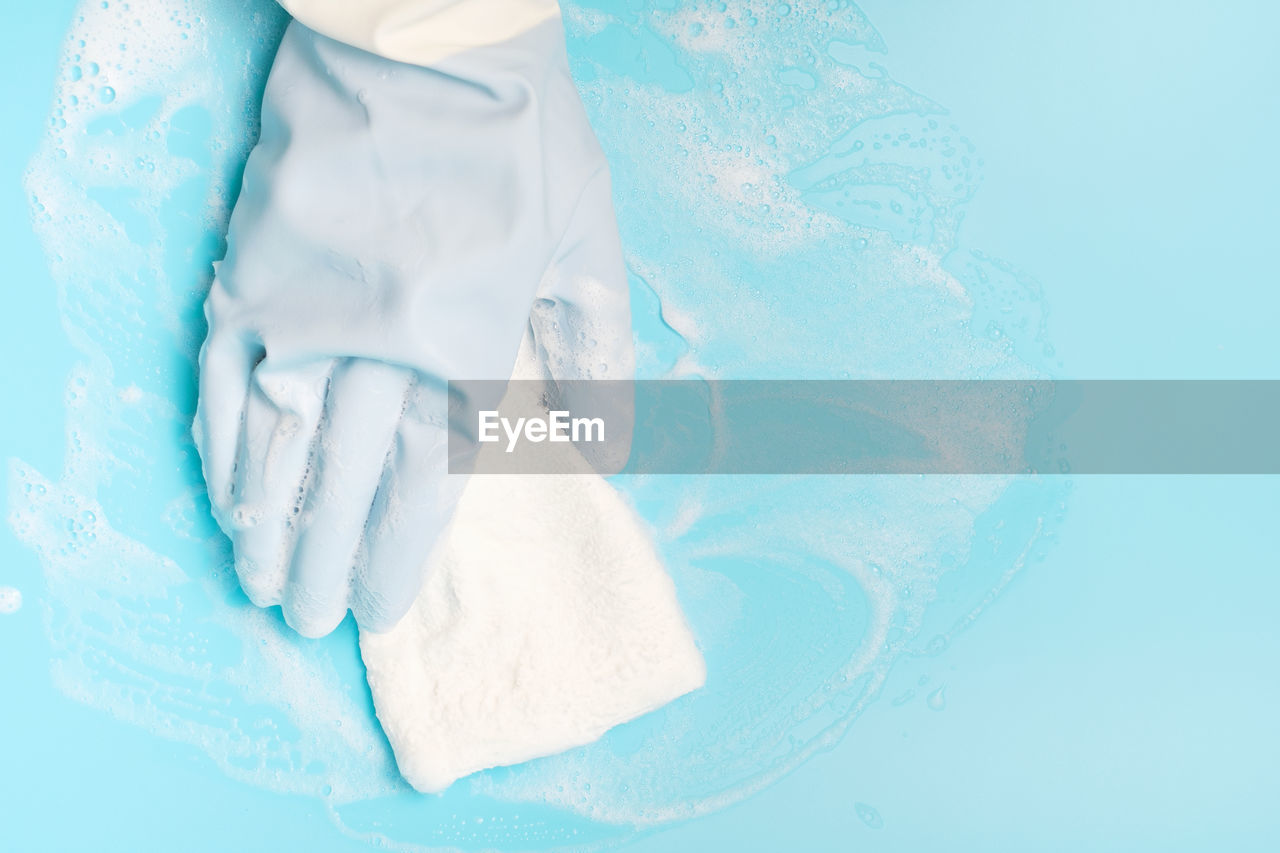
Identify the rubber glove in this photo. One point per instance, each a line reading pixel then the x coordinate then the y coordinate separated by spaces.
pixel 399 226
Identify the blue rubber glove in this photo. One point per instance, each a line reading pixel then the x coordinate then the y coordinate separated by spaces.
pixel 399 226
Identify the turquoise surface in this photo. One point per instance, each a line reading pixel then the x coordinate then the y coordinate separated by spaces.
pixel 1115 688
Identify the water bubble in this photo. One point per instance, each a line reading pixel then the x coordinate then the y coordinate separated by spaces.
pixel 106 94
pixel 868 815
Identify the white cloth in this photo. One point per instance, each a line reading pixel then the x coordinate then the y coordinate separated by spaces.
pixel 546 619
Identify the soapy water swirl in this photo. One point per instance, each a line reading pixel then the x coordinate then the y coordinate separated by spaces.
pixel 789 210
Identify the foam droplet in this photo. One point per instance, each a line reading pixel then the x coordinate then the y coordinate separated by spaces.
pixel 10 600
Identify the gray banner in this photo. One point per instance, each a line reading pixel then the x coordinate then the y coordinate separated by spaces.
pixel 867 427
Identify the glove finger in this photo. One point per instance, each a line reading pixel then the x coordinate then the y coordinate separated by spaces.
pixel 281 421
pixel 226 363
pixel 364 406
pixel 412 508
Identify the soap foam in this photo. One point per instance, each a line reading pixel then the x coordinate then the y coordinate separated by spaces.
pixel 772 229
pixel 10 600
pixel 129 192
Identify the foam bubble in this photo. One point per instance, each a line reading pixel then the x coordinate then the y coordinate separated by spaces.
pixel 10 600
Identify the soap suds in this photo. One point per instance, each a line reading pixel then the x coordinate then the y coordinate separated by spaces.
pixel 130 194
pixel 772 230
pixel 10 600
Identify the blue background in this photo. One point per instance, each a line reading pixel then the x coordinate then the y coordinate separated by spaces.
pixel 1120 695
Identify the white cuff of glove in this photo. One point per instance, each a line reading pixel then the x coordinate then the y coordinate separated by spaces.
pixel 421 32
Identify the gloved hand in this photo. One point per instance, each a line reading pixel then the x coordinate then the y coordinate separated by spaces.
pixel 399 226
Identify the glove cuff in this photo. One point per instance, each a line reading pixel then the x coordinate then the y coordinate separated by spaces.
pixel 421 32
